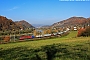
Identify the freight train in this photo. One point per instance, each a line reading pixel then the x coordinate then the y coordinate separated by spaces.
pixel 23 37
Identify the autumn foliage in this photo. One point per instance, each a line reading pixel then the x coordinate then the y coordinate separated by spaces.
pixel 84 32
pixel 6 38
pixel 8 24
pixel 47 31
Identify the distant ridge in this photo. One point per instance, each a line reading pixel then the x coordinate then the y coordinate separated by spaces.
pixel 38 25
pixel 72 21
pixel 23 24
pixel 8 24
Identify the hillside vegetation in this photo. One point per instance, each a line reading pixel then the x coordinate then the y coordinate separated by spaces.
pixel 73 21
pixel 8 24
pixel 23 24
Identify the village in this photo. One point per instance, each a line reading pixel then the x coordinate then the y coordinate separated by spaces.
pixel 39 33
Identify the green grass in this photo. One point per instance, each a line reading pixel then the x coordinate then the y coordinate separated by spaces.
pixel 71 34
pixel 68 47
pixel 63 51
pixel 69 39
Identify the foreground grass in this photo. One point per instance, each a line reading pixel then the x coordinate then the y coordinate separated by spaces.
pixel 69 47
pixel 60 51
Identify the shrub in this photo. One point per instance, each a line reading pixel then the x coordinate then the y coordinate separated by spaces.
pixel 84 32
pixel 88 31
pixel 6 38
pixel 80 31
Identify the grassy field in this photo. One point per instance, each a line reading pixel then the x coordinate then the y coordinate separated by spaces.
pixel 35 44
pixel 74 46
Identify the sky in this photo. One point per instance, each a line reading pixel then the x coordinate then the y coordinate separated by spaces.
pixel 44 12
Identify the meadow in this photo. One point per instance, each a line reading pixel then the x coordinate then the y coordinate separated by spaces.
pixel 68 47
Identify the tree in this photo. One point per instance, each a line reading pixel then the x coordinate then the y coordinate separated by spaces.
pixel 87 31
pixel 6 38
pixel 47 31
pixel 80 31
pixel 84 31
pixel 34 32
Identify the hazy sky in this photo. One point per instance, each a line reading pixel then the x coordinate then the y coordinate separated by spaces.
pixel 43 11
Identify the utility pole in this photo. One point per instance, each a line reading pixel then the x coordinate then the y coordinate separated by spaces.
pixel 14 37
pixel 10 36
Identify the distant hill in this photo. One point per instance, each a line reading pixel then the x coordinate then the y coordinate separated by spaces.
pixel 73 21
pixel 7 24
pixel 38 25
pixel 23 24
pixel 46 26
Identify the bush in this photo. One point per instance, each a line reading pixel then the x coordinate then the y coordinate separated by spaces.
pixel 80 31
pixel 6 38
pixel 84 32
pixel 87 31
